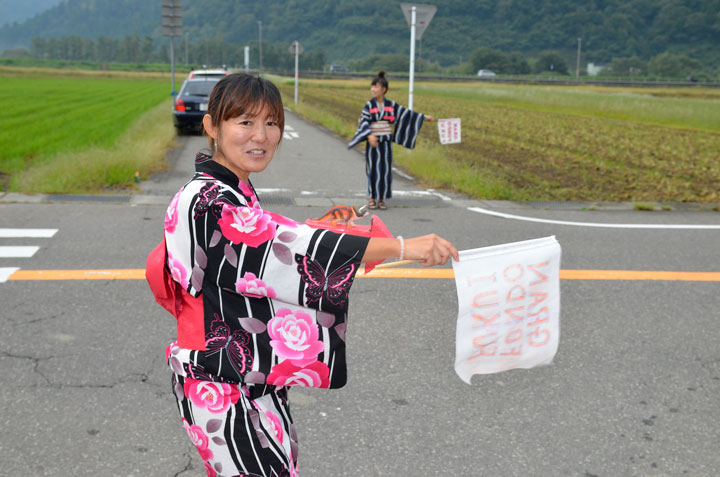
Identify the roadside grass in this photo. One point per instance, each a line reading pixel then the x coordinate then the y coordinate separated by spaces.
pixel 547 143
pixel 49 119
pixel 141 148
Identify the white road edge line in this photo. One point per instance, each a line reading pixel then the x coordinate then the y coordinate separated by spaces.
pixel 6 272
pixel 402 174
pixel 32 233
pixel 18 252
pixel 593 224
pixel 438 194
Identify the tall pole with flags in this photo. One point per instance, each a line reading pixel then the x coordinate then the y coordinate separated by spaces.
pixel 172 27
pixel 418 17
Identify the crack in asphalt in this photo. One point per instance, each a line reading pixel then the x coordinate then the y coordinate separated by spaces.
pixel 188 466
pixel 34 359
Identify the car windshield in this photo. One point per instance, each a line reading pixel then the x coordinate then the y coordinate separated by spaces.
pixel 199 88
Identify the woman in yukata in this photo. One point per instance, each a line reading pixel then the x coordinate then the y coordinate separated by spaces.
pixel 260 299
pixel 383 122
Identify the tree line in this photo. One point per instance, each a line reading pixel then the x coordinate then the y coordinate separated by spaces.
pixel 355 29
pixel 143 50
pixel 663 66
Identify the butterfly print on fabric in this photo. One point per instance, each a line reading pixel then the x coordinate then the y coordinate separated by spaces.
pixel 220 340
pixel 198 372
pixel 333 286
pixel 208 200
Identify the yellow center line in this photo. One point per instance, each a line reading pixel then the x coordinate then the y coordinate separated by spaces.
pixel 447 273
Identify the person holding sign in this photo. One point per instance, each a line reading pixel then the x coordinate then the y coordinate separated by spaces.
pixel 383 122
pixel 260 300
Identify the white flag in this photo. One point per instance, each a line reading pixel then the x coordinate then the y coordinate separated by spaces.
pixel 509 307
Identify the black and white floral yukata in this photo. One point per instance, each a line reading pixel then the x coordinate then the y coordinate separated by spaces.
pixel 273 315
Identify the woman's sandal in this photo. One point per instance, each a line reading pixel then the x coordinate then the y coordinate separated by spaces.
pixel 381 205
pixel 372 205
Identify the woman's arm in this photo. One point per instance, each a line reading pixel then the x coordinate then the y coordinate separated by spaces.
pixel 429 250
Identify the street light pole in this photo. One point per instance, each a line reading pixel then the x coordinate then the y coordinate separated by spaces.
pixel 186 49
pixel 260 43
pixel 577 66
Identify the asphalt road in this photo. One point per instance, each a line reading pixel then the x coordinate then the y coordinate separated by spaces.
pixel 633 390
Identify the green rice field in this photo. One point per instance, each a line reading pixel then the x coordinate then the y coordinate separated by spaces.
pixel 525 142
pixel 47 116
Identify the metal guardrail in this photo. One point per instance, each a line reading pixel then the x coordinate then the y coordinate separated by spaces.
pixel 506 80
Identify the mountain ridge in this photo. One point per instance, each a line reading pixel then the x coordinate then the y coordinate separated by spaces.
pixel 348 29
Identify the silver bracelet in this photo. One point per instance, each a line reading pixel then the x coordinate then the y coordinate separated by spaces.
pixel 402 247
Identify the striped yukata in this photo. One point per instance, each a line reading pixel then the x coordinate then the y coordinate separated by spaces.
pixel 261 305
pixel 390 122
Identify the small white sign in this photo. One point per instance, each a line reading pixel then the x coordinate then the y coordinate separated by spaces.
pixel 449 130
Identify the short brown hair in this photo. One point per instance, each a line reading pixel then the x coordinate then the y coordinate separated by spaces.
pixel 243 93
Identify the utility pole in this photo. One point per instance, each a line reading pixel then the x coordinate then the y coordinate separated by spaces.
pixel 577 66
pixel 186 49
pixel 260 43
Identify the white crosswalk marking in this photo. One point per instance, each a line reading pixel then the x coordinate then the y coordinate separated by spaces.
pixel 32 233
pixel 6 272
pixel 18 251
pixel 290 133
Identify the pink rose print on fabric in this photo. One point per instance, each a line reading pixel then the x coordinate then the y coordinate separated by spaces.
pixel 209 470
pixel 276 426
pixel 199 440
pixel 248 192
pixel 171 349
pixel 316 375
pixel 250 285
pixel 246 225
pixel 281 220
pixel 294 336
pixel 215 397
pixel 171 216
pixel 177 270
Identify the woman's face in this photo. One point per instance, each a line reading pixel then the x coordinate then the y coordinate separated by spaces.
pixel 377 90
pixel 246 143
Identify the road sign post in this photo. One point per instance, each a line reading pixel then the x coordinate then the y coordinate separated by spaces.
pixel 418 17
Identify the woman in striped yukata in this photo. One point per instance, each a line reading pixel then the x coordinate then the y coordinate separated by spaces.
pixel 383 122
pixel 260 300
